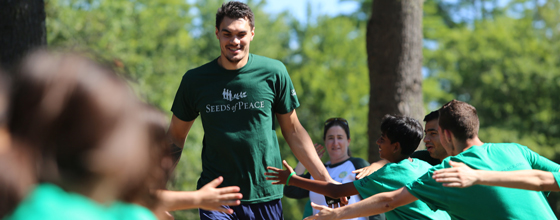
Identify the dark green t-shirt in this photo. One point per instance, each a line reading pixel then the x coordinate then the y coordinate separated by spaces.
pixel 488 202
pixel 237 109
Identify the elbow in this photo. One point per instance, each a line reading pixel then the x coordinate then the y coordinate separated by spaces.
pixel 388 204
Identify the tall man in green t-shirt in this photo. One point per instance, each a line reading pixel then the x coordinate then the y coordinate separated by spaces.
pixel 458 130
pixel 237 96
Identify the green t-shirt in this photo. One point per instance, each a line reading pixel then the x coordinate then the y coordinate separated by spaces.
pixel 237 109
pixel 394 176
pixel 488 202
pixel 49 202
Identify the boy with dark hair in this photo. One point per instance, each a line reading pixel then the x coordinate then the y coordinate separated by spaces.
pixel 400 137
pixel 237 96
pixel 458 130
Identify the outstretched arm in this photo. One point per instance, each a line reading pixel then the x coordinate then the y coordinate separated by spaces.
pixel 208 197
pixel 321 187
pixel 301 145
pixel 176 136
pixel 379 203
pixel 461 175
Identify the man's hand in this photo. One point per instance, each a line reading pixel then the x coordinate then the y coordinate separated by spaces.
pixel 460 175
pixel 279 175
pixel 366 171
pixel 214 199
pixel 325 213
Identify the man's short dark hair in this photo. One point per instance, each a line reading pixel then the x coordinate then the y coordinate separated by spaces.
pixel 405 130
pixel 432 116
pixel 460 118
pixel 235 10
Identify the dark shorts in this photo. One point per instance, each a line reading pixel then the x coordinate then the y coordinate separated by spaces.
pixel 261 211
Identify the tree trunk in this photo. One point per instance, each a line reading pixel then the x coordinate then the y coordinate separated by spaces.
pixel 22 28
pixel 394 45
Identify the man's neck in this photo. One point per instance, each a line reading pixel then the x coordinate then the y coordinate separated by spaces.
pixel 228 65
pixel 475 141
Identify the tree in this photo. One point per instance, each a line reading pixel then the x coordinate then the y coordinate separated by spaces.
pixel 22 28
pixel 394 47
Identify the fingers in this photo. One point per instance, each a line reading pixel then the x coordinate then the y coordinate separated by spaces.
pixel 311 218
pixel 229 189
pixel 288 167
pixel 318 207
pixel 344 201
pixel 358 171
pixel 216 182
pixel 456 164
pixel 274 169
pixel 225 210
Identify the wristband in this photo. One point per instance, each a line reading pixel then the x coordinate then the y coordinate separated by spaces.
pixel 290 176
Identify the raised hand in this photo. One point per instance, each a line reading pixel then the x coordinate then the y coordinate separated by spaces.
pixel 460 175
pixel 279 175
pixel 320 150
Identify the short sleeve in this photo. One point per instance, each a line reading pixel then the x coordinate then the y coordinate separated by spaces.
pixel 539 162
pixel 557 177
pixel 428 190
pixel 285 97
pixel 183 107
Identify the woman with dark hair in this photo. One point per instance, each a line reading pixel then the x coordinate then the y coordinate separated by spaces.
pixel 336 136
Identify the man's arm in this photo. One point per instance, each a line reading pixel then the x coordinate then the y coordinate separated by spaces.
pixel 461 175
pixel 379 203
pixel 176 136
pixel 301 145
pixel 321 187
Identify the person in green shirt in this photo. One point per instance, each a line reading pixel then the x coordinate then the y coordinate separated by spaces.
pixel 238 95
pixel 458 130
pixel 400 136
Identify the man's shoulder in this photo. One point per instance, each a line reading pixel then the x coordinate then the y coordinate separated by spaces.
pixel 424 155
pixel 358 162
pixel 268 63
pixel 207 67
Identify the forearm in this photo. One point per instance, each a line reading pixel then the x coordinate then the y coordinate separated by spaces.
pixel 536 180
pixel 302 147
pixel 324 188
pixel 377 204
pixel 178 200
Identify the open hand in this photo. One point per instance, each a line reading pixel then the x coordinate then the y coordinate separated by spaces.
pixel 366 171
pixel 213 198
pixel 460 175
pixel 279 175
pixel 325 213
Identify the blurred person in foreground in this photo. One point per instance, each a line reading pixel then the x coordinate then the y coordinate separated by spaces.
pixel 458 132
pixel 400 136
pixel 237 96
pixel 16 177
pixel 336 137
pixel 96 150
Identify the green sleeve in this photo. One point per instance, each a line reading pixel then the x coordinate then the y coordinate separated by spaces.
pixel 539 162
pixel 285 95
pixel 183 106
pixel 556 177
pixel 428 190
